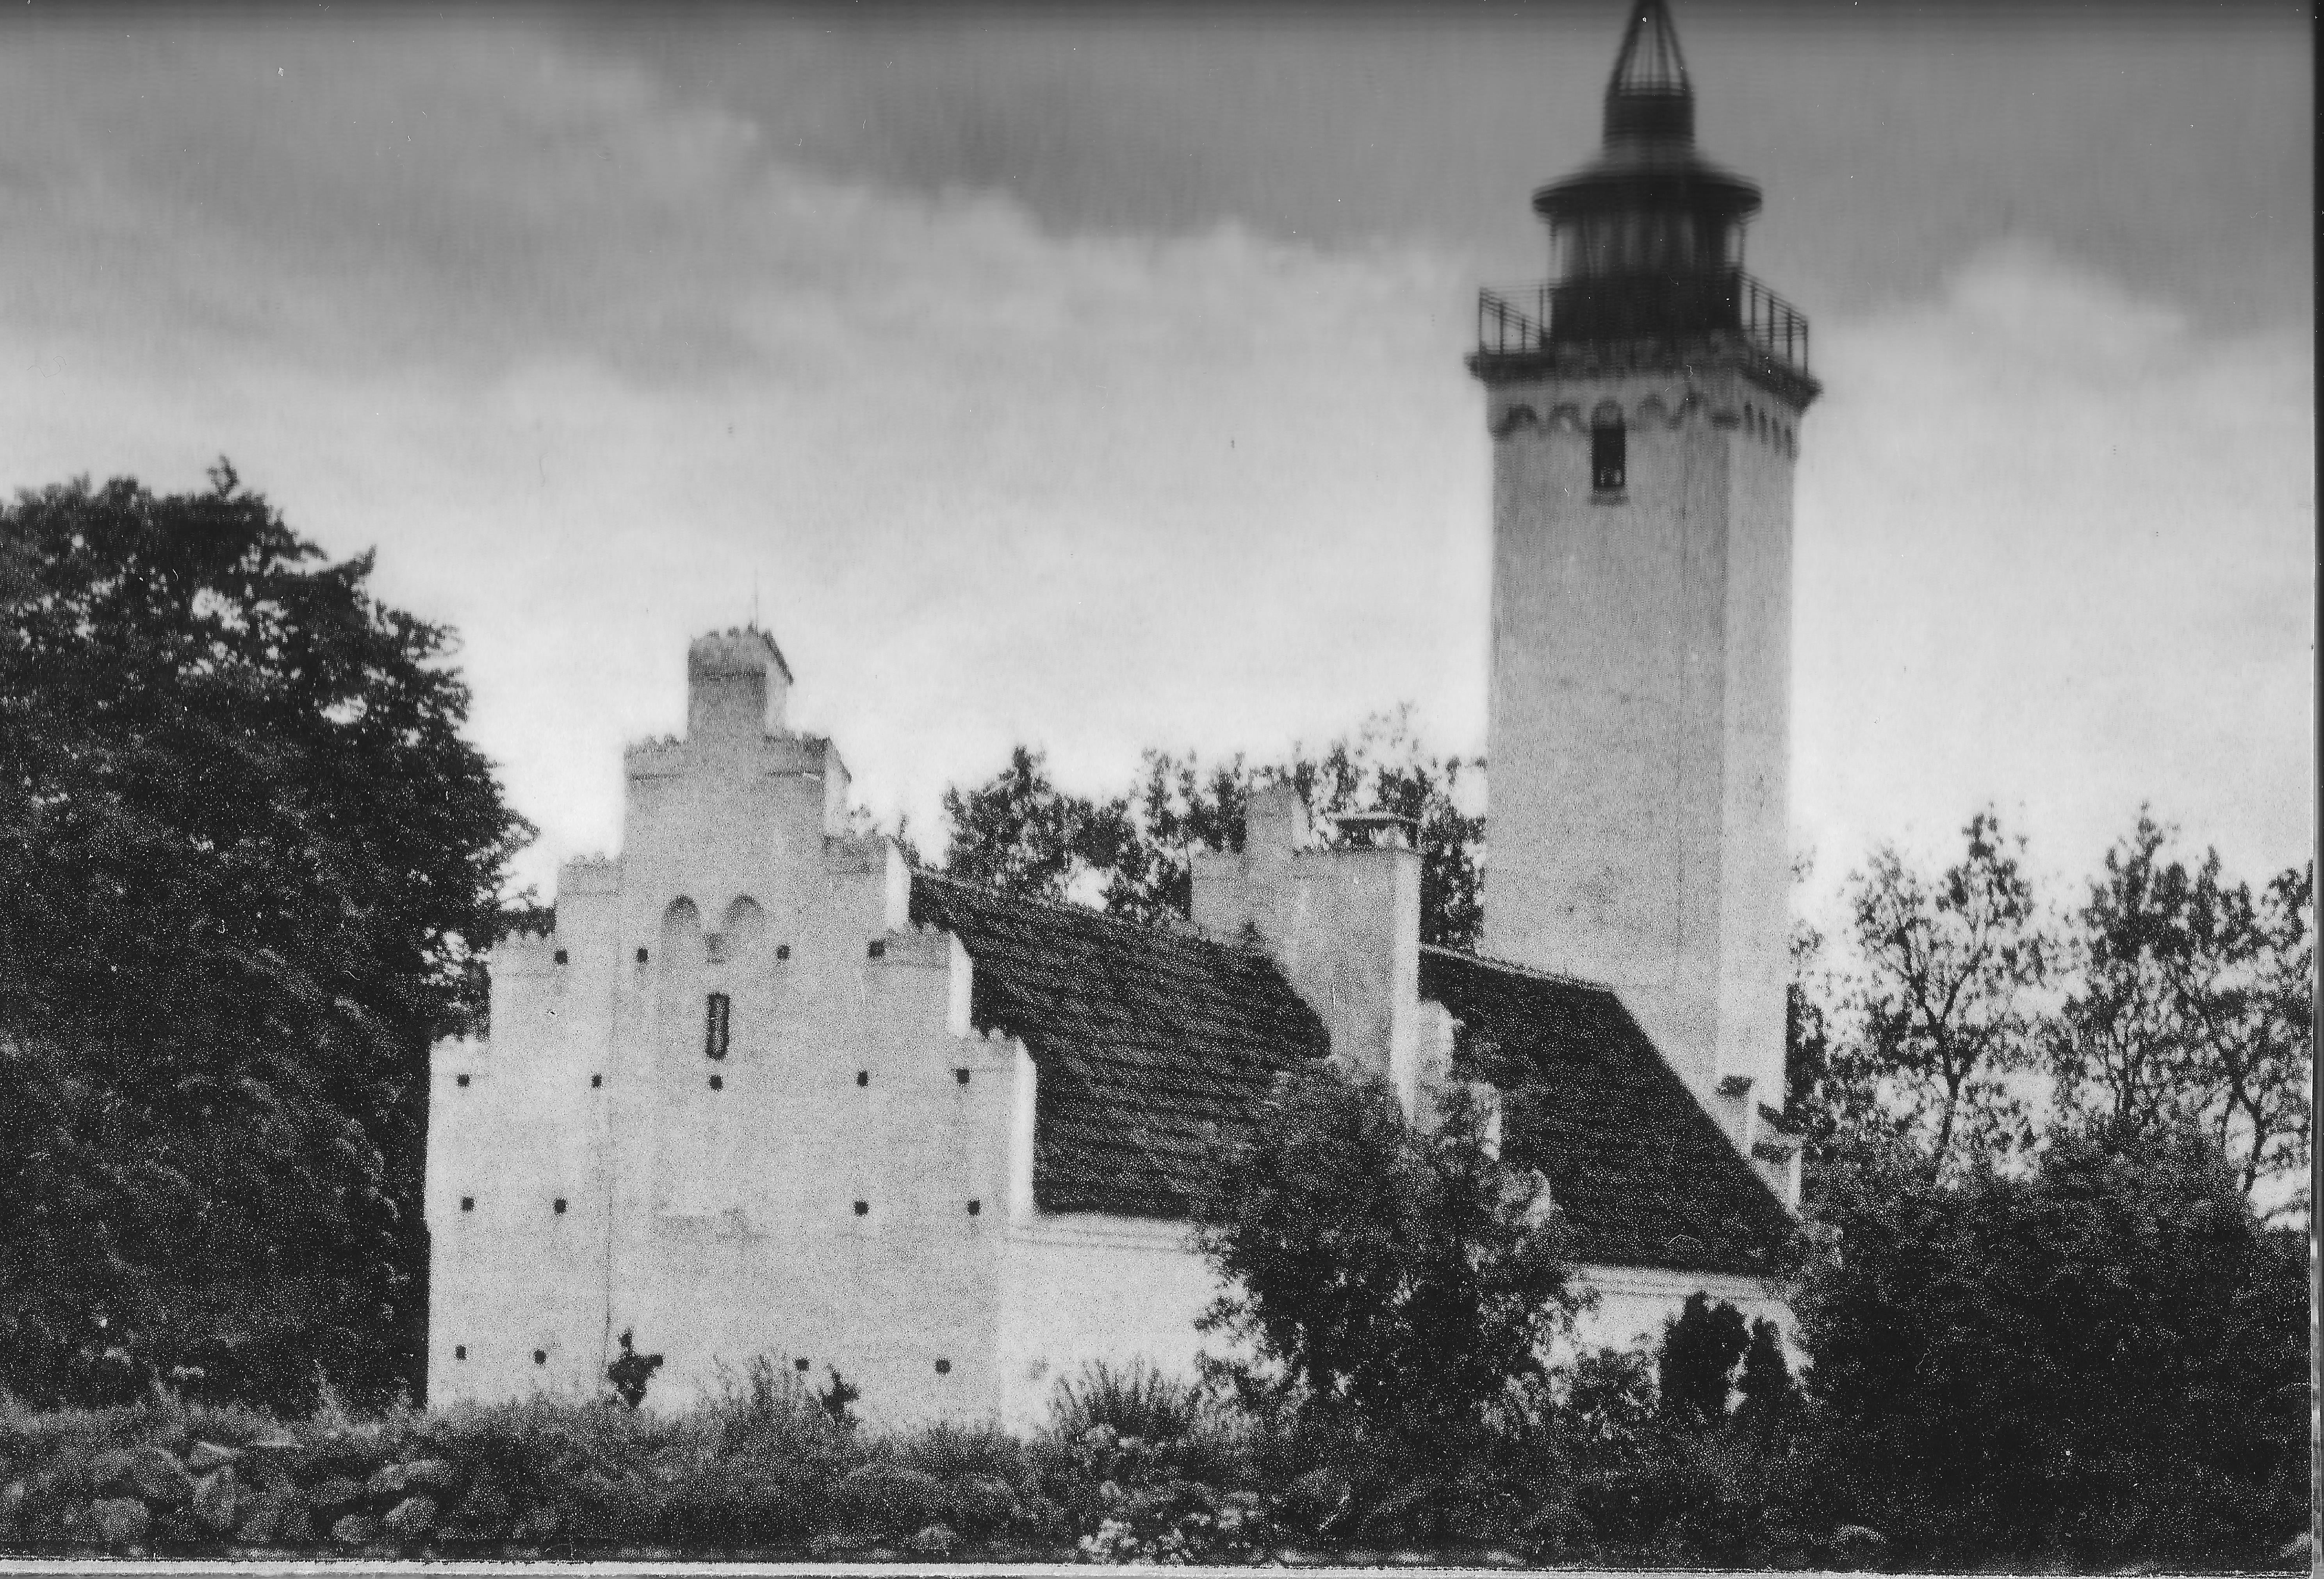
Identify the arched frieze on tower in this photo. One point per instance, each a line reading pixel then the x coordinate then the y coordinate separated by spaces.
pixel 1563 418
pixel 1668 410
pixel 1512 419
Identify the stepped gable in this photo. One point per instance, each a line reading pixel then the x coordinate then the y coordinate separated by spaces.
pixel 1144 1038
pixel 1642 1174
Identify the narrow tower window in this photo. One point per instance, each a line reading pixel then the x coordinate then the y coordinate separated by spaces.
pixel 1609 460
pixel 714 1026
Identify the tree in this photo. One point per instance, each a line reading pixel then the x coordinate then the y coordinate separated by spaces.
pixel 1831 1083
pixel 1765 1385
pixel 1702 1346
pixel 2190 1002
pixel 244 855
pixel 2101 1357
pixel 1132 855
pixel 1942 998
pixel 1018 833
pixel 1398 1283
pixel 2119 1043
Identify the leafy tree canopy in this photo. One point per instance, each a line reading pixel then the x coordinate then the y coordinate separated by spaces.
pixel 2103 1355
pixel 244 854
pixel 1131 854
pixel 1963 1020
pixel 2191 1004
pixel 1396 1281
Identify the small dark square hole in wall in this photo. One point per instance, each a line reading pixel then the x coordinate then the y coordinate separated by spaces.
pixel 961 1076
pixel 863 1077
pixel 641 954
pixel 876 949
pixel 596 1081
pixel 560 1205
pixel 974 1207
pixel 717 1083
pixel 467 1203
pixel 561 957
pixel 461 1081
pixel 944 1368
pixel 862 1208
pixel 799 1363
pixel 541 1356
pixel 782 951
pixel 460 1352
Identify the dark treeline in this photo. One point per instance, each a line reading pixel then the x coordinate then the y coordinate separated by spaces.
pixel 245 853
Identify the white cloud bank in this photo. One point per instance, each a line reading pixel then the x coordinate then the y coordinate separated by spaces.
pixel 583 361
pixel 2056 552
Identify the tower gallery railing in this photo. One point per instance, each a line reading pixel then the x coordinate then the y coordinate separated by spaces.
pixel 1536 318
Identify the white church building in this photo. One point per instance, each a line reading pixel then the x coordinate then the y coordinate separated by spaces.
pixel 761 1089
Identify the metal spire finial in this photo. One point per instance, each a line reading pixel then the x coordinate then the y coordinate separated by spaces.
pixel 1648 95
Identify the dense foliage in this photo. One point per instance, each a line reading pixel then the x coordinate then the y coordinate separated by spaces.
pixel 1132 854
pixel 1959 1023
pixel 2104 1357
pixel 243 850
pixel 1396 1283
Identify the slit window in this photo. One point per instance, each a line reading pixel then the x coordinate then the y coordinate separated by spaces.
pixel 961 1076
pixel 863 1077
pixel 467 1203
pixel 862 1208
pixel 460 1352
pixel 944 1368
pixel 718 1083
pixel 460 1080
pixel 782 951
pixel 541 1356
pixel 563 957
pixel 974 1207
pixel 1609 459
pixel 799 1363
pixel 714 1026
pixel 596 1081
pixel 560 1205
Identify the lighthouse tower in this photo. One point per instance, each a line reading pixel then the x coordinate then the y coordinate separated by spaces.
pixel 1645 406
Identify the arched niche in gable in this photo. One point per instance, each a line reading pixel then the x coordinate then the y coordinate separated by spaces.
pixel 743 929
pixel 681 937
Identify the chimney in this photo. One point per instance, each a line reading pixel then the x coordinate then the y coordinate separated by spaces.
pixel 1342 922
pixel 736 682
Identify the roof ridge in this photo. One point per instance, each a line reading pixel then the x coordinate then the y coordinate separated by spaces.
pixel 1494 962
pixel 1175 931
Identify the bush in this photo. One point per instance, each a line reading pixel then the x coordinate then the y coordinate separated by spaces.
pixel 1395 1286
pixel 1702 1346
pixel 1132 1401
pixel 2101 1360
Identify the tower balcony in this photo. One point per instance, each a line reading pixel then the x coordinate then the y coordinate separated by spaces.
pixel 1540 327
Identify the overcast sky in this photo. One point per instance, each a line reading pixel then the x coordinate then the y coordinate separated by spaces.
pixel 1094 380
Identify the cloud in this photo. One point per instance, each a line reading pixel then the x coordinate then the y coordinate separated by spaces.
pixel 587 355
pixel 993 482
pixel 2056 552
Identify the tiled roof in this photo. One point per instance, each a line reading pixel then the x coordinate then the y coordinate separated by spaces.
pixel 1144 1038
pixel 1643 1175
